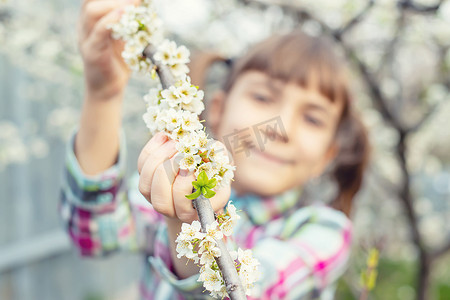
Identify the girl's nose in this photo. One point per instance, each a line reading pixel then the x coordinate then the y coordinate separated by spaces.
pixel 288 123
pixel 276 132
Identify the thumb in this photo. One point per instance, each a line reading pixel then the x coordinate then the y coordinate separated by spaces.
pixel 182 186
pixel 183 206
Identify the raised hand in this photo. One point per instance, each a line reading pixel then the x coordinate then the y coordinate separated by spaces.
pixel 165 185
pixel 106 74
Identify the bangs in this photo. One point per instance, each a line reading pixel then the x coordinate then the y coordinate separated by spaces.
pixel 297 57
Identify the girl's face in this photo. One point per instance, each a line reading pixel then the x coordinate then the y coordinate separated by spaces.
pixel 280 134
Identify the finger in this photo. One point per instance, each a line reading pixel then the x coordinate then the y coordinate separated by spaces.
pixel 182 186
pixel 161 193
pixel 221 198
pixel 154 159
pixel 82 26
pixel 94 11
pixel 221 149
pixel 156 141
pixel 85 2
pixel 100 35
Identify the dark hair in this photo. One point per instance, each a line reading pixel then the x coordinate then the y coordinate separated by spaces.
pixel 298 57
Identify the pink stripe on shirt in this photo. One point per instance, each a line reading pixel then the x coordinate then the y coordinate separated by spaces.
pixel 252 237
pixel 279 289
pixel 322 267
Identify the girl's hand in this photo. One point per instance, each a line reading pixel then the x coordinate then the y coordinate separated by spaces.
pixel 106 74
pixel 164 185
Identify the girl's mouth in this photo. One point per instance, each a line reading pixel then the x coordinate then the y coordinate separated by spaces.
pixel 270 157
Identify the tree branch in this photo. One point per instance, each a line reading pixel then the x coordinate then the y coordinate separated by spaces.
pixel 356 19
pixel 443 74
pixel 369 79
pixel 405 193
pixel 224 261
pixel 390 48
pixel 410 5
pixel 164 73
pixel 374 89
pixel 203 205
pixel 440 251
pixel 424 118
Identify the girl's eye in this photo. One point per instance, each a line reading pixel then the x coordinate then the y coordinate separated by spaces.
pixel 261 97
pixel 313 121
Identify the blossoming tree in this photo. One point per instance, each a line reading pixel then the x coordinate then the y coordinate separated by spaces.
pixel 173 109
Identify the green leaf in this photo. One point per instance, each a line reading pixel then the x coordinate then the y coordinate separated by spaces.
pixel 202 178
pixel 371 280
pixel 193 195
pixel 141 26
pixel 209 193
pixel 372 260
pixel 212 183
pixel 363 279
pixel 196 185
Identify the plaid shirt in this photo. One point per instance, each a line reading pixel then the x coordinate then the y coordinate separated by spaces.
pixel 302 250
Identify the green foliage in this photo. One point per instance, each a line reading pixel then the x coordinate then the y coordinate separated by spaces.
pixel 204 186
pixel 93 296
pixel 395 281
pixel 344 291
pixel 393 278
pixel 442 290
pixel 369 276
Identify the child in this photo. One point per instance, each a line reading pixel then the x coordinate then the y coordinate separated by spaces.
pixel 285 113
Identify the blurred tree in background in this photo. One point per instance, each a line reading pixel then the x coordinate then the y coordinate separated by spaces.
pixel 399 53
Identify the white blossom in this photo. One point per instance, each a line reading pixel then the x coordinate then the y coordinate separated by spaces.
pixel 166 52
pixel 173 119
pixel 191 231
pixel 190 121
pixel 231 212
pixel 248 272
pixel 153 97
pixel 196 106
pixel 216 152
pixel 150 118
pixel 213 231
pixel 228 225
pixel 171 97
pixel 225 173
pixel 233 254
pixel 161 120
pixel 186 146
pixel 202 140
pixel 208 250
pixel 190 161
pixel 212 281
pixel 186 92
pixel 208 168
pixel 185 248
pixel 175 111
pixel 182 55
pixel 179 133
pixel 246 259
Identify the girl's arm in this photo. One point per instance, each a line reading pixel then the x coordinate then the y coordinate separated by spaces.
pixel 95 209
pixel 94 204
pixel 106 75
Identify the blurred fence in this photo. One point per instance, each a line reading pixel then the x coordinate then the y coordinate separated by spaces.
pixel 36 258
